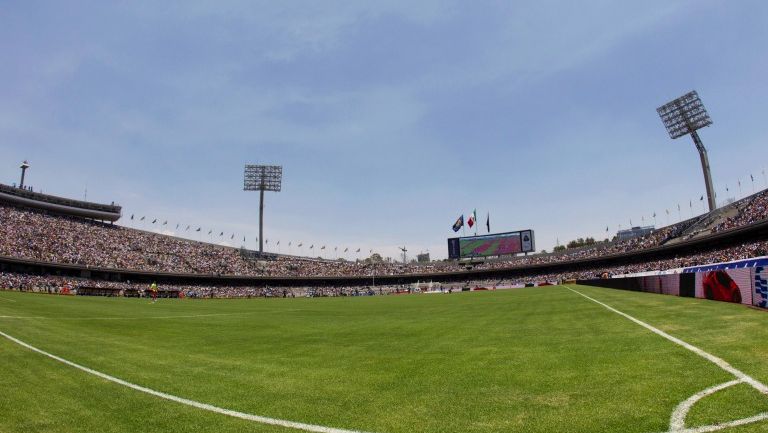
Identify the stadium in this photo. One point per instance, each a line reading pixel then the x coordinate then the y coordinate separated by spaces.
pixel 113 319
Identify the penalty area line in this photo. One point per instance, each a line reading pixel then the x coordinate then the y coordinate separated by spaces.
pixel 184 401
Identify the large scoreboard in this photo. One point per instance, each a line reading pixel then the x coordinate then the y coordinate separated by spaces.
pixel 499 244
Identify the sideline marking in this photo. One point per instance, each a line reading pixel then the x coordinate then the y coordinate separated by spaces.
pixel 193 403
pixel 677 425
pixel 708 356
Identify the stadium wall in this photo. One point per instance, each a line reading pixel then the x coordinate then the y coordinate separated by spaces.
pixel 742 282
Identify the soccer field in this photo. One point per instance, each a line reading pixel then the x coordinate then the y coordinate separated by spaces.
pixel 548 359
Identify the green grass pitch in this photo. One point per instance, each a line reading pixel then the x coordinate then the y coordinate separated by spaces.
pixel 523 360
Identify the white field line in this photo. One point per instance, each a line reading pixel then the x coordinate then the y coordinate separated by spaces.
pixel 725 425
pixel 6 299
pixel 677 420
pixel 708 356
pixel 192 403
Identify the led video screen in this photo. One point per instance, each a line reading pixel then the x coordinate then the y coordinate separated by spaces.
pixel 499 244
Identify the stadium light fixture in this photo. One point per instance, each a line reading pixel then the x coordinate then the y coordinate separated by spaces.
pixel 24 166
pixel 685 115
pixel 262 178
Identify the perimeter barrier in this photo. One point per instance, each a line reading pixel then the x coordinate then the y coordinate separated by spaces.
pixel 742 282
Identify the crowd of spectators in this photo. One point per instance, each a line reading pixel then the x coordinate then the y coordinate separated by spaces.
pixel 41 236
pixel 754 210
pixel 57 284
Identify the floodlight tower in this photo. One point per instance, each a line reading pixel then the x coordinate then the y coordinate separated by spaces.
pixel 685 115
pixel 262 178
pixel 24 166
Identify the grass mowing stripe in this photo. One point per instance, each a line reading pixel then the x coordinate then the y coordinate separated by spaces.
pixel 196 404
pixel 179 316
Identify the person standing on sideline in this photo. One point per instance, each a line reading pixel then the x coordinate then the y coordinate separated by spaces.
pixel 153 289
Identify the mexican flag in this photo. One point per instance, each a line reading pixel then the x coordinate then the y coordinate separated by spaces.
pixel 472 220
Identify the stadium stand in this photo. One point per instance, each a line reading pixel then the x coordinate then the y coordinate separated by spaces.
pixel 35 242
pixel 62 205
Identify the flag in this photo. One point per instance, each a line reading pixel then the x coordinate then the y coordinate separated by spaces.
pixel 210 231
pixel 177 226
pixel 289 243
pixel 702 198
pixel 458 224
pixel 726 188
pixel 186 229
pixel 266 241
pixel 278 242
pixel 233 236
pixel 752 177
pixel 243 238
pixel 141 219
pixel 358 250
pixel 690 203
pixel 472 218
pixel 335 248
pixel 198 229
pixel 312 246
pixel 221 234
pixel 301 244
pixel 154 220
pixel 606 229
pixel 678 207
pixel 165 222
pixel 667 210
pixel 131 217
pixel 346 249
pixel 323 247
pixel 654 214
pixel 488 222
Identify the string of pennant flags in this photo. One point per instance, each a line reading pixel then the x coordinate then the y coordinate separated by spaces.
pixel 730 196
pixel 471 220
pixel 222 234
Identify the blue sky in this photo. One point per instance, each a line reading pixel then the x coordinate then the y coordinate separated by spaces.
pixel 390 119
